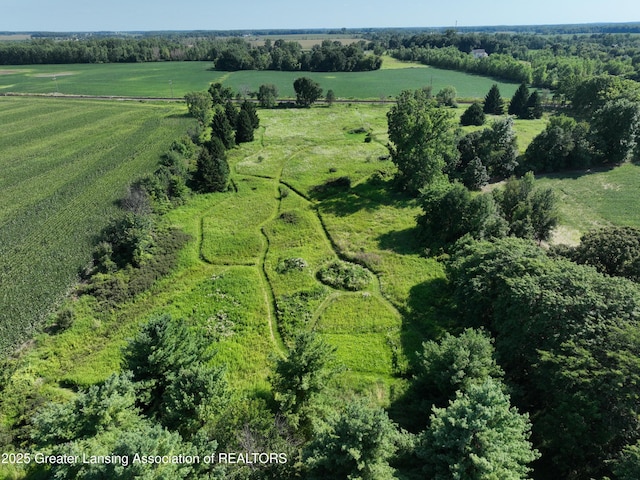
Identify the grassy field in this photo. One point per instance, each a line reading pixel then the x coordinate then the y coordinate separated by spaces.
pixel 64 164
pixel 284 208
pixel 591 200
pixel 174 79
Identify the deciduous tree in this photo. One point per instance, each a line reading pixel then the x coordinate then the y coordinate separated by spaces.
pixel 615 128
pixel 307 91
pixel 422 140
pixel 267 95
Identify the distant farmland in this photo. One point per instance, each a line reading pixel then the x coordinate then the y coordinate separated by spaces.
pixel 174 79
pixel 64 165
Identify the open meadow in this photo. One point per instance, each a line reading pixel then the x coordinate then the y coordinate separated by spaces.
pixel 249 273
pixel 310 194
pixel 64 165
pixel 174 79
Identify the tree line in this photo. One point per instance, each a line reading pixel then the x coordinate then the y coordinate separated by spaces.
pixel 226 54
pixel 541 60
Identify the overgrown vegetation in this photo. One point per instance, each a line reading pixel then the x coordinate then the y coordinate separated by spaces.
pixel 348 276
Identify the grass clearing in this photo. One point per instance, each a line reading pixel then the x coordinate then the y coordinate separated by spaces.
pixel 231 230
pixel 595 199
pixel 228 281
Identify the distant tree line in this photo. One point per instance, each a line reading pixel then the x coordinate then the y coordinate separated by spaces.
pixel 546 61
pixel 226 54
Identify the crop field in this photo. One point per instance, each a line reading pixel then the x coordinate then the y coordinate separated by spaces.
pixel 174 79
pixel 64 164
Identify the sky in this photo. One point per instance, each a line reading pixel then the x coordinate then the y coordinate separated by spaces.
pixel 145 15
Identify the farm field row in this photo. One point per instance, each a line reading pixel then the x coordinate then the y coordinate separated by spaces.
pixel 174 79
pixel 65 164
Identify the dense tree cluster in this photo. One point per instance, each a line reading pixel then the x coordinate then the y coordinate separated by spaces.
pixel 491 153
pixel 229 54
pixel 228 125
pixel 608 134
pixel 451 212
pixel 567 338
pixel 525 105
pixel 614 251
pixel 160 405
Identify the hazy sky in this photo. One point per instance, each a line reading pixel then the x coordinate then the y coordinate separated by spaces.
pixel 123 15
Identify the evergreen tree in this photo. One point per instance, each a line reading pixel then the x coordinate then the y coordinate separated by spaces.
pixel 244 129
pixel 299 378
pixel 222 129
pixel 475 175
pixel 231 113
pixel 493 103
pixel 252 112
pixel 518 103
pixel 478 436
pixel 356 443
pixel 212 173
pixel 473 115
pixel 534 106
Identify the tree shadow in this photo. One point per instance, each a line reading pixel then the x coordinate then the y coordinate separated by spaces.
pixel 427 315
pixel 369 195
pixel 404 242
pixel 576 174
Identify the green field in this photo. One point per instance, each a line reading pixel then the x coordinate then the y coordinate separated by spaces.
pixel 174 79
pixel 590 200
pixel 64 165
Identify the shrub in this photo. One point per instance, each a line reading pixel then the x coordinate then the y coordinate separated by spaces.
pixel 289 217
pixel 473 115
pixel 332 185
pixel 289 264
pixel 346 276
